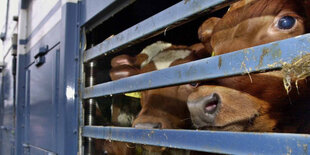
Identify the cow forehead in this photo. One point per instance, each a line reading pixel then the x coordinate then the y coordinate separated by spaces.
pixel 165 59
pixel 152 50
pixel 239 4
pixel 254 9
pixel 161 55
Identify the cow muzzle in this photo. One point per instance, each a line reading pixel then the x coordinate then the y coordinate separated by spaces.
pixel 204 110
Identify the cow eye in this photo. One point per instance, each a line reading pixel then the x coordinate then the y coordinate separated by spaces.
pixel 194 84
pixel 286 22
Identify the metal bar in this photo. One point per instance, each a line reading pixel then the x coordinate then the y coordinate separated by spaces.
pixel 178 13
pixel 90 112
pixel 208 141
pixel 81 87
pixel 255 59
pixel 105 10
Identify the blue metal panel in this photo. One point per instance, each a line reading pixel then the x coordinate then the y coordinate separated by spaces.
pixel 178 13
pixel 6 141
pixel 8 101
pixel 209 141
pixel 1 113
pixel 106 9
pixel 50 40
pixel 42 97
pixel 51 117
pixel 7 125
pixel 23 111
pixel 259 58
pixel 33 150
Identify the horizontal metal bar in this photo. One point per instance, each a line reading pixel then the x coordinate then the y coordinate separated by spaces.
pixel 178 13
pixel 259 58
pixel 94 8
pixel 208 141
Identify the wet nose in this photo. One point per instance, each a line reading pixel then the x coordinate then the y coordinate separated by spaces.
pixel 210 103
pixel 203 110
pixel 148 125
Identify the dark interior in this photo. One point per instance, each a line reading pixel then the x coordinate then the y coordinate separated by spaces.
pixel 185 34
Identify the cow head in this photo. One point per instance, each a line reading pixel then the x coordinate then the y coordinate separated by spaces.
pixel 253 22
pixel 162 107
pixel 259 103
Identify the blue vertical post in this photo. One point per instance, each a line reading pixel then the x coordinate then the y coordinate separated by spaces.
pixel 22 61
pixel 68 87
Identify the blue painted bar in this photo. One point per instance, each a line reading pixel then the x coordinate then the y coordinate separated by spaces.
pixel 260 58
pixel 106 9
pixel 208 141
pixel 93 7
pixel 68 82
pixel 178 13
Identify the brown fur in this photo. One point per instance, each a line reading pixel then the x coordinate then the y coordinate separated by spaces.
pixel 200 50
pixel 163 105
pixel 205 32
pixel 261 104
pixel 118 148
pixel 255 24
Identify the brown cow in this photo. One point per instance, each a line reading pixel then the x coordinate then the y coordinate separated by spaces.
pixel 162 107
pixel 261 104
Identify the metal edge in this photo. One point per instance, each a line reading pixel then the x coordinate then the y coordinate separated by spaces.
pixel 255 59
pixel 91 20
pixel 67 140
pixel 178 13
pixel 208 141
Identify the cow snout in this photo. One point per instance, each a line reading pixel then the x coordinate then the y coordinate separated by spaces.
pixel 148 126
pixel 204 109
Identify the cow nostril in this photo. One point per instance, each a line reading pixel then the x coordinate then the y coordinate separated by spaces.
pixel 148 125
pixel 211 103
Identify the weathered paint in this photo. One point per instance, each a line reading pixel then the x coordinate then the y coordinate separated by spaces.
pixel 208 141
pixel 261 58
pixel 208 68
pixel 178 13
pixel 220 62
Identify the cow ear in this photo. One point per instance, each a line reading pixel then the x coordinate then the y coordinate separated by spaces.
pixel 123 66
pixel 140 58
pixel 238 5
pixel 205 31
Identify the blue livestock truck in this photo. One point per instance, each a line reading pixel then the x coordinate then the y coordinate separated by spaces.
pixel 56 96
